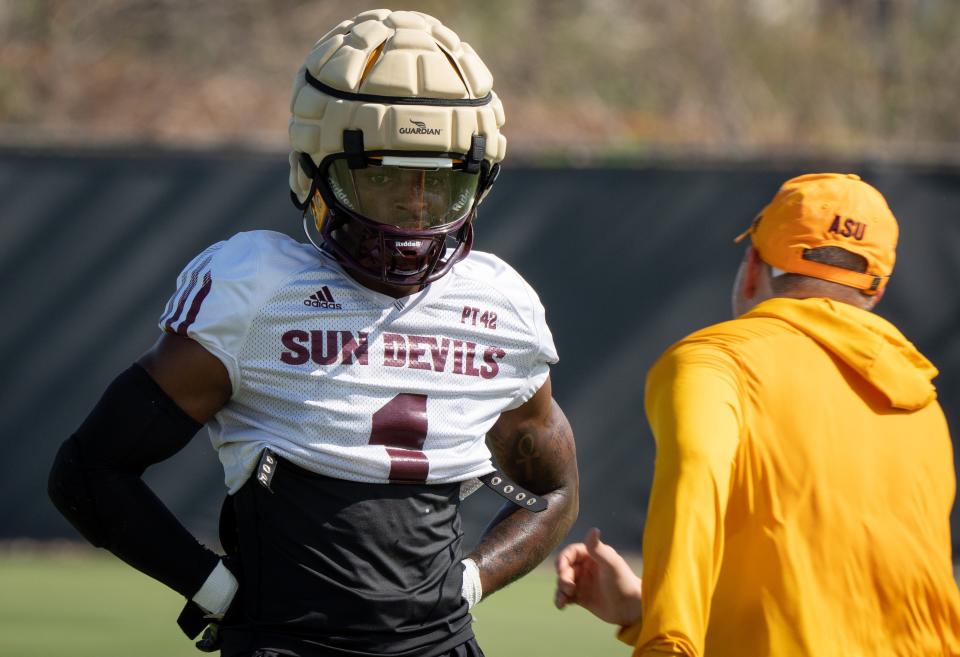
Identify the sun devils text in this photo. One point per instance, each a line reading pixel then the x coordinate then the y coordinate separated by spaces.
pixel 418 352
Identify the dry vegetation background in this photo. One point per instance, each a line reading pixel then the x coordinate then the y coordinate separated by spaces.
pixel 579 78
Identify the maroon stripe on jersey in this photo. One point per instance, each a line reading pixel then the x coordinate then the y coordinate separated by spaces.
pixel 407 466
pixel 194 277
pixel 400 426
pixel 168 307
pixel 195 306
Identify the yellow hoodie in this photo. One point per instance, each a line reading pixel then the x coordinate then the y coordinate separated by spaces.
pixel 802 492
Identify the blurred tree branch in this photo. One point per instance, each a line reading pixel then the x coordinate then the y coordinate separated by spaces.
pixel 608 76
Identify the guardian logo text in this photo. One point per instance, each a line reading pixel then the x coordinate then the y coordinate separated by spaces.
pixel 419 129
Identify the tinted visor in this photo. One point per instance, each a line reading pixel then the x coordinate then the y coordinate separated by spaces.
pixel 414 197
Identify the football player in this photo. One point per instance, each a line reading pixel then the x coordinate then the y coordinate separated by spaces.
pixel 355 388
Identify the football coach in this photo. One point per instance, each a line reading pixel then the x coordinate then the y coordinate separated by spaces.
pixel 804 471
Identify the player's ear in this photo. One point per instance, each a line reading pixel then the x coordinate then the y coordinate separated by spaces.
pixel 875 299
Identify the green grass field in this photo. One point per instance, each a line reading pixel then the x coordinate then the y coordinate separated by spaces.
pixel 88 604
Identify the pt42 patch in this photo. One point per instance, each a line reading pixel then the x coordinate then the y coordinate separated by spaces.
pixel 475 317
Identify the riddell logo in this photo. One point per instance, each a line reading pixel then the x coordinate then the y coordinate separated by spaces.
pixel 322 299
pixel 421 129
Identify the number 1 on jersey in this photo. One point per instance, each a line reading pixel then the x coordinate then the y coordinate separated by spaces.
pixel 401 426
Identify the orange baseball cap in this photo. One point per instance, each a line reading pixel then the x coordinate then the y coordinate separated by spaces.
pixel 828 209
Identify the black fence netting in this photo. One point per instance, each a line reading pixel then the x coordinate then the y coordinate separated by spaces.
pixel 626 260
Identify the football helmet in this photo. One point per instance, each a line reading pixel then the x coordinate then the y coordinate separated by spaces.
pixel 395 138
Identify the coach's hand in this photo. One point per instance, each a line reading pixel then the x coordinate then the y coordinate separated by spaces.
pixel 593 575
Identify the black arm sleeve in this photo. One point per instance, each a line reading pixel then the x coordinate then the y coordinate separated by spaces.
pixel 96 482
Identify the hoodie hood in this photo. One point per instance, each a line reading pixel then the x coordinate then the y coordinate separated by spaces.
pixel 869 344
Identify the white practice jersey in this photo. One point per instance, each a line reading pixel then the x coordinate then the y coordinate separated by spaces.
pixel 351 383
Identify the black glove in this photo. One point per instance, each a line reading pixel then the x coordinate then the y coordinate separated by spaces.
pixel 211 639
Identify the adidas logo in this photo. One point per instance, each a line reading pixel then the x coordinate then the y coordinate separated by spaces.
pixel 322 299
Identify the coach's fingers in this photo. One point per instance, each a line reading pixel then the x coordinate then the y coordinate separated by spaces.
pixel 566 566
pixel 569 556
pixel 569 565
pixel 570 559
pixel 601 552
pixel 592 540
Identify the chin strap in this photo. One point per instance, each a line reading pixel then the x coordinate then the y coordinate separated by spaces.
pixel 310 169
pixel 511 491
pixel 478 148
pixel 353 147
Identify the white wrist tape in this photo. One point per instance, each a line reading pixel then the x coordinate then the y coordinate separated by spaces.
pixel 217 591
pixel 472 590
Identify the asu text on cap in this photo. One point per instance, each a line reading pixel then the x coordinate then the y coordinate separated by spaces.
pixel 828 209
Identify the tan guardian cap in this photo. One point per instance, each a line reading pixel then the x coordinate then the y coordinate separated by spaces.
pixel 402 79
